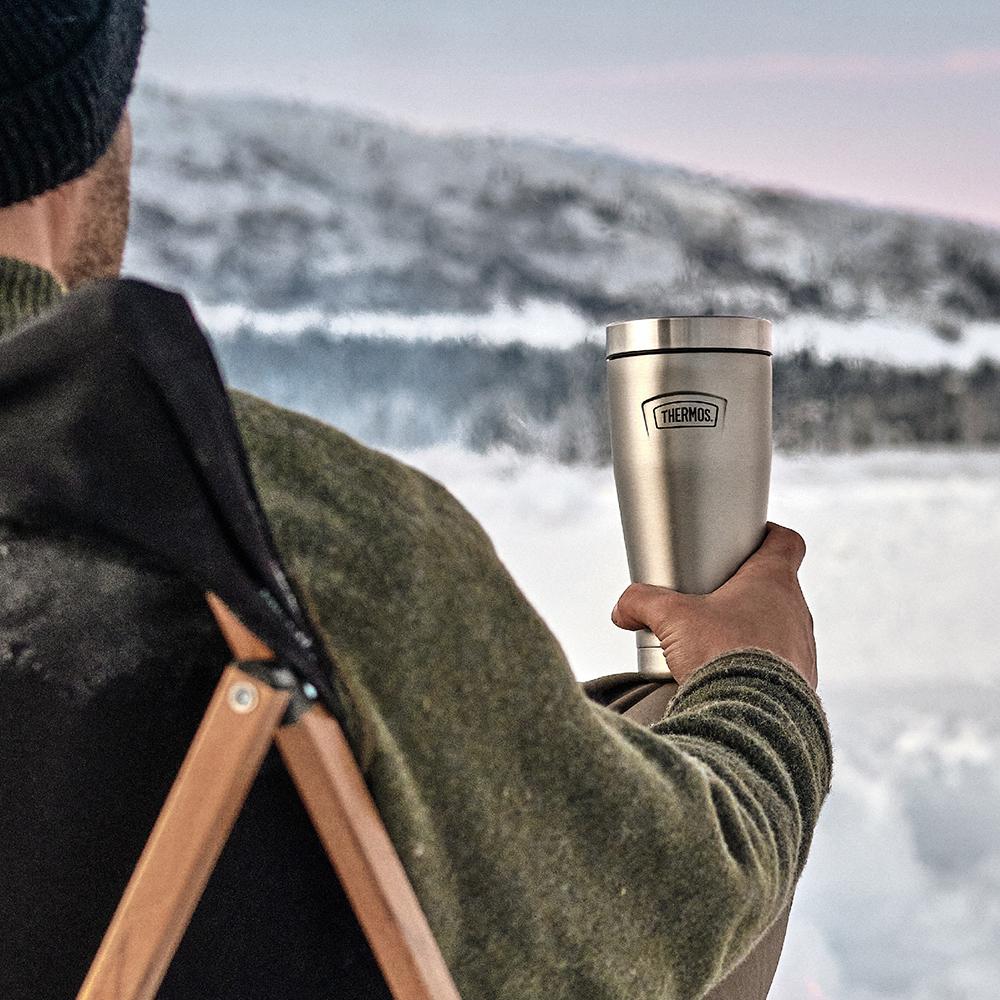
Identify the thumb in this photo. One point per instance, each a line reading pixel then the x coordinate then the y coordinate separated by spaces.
pixel 644 605
pixel 782 549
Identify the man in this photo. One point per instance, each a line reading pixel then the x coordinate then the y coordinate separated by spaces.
pixel 558 849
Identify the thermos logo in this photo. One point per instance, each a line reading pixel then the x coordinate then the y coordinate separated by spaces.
pixel 686 414
pixel 683 409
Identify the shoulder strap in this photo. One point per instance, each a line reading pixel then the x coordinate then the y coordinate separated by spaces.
pixel 644 699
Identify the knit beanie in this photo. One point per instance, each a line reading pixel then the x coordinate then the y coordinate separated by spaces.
pixel 66 70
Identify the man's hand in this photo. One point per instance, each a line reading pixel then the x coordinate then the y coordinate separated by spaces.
pixel 760 606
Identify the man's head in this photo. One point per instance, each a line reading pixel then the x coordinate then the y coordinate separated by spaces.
pixel 66 71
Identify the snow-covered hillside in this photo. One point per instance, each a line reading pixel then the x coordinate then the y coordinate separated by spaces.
pixel 418 289
pixel 278 206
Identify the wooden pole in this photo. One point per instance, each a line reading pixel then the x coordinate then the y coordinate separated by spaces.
pixel 242 720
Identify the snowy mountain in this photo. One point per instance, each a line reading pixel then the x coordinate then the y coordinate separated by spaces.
pixel 415 289
pixel 280 206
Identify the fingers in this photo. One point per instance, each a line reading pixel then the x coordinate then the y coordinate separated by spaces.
pixel 644 606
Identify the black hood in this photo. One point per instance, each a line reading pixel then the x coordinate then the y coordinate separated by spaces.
pixel 114 422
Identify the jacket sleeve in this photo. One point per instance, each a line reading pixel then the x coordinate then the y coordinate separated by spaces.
pixel 758 758
pixel 559 849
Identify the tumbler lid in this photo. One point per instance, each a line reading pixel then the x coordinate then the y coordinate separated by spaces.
pixel 690 333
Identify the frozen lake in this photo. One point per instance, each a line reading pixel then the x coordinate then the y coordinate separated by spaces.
pixel 901 897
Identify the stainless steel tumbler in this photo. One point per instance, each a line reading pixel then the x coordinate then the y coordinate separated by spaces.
pixel 690 407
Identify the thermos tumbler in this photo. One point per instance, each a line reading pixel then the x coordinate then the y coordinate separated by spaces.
pixel 690 408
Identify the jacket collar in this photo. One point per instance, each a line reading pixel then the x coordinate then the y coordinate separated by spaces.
pixel 25 291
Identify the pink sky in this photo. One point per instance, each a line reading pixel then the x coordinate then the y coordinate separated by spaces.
pixel 889 104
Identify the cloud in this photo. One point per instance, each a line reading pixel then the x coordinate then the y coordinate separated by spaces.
pixel 766 67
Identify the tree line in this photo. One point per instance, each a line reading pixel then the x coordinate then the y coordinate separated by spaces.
pixel 405 394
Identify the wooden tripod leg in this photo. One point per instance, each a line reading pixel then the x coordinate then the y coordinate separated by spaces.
pixel 199 813
pixel 186 841
pixel 345 816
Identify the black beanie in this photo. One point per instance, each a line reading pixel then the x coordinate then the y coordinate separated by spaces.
pixel 66 70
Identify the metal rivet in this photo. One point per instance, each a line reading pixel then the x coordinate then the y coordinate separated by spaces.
pixel 242 697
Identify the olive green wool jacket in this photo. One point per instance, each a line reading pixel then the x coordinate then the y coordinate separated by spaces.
pixel 560 851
